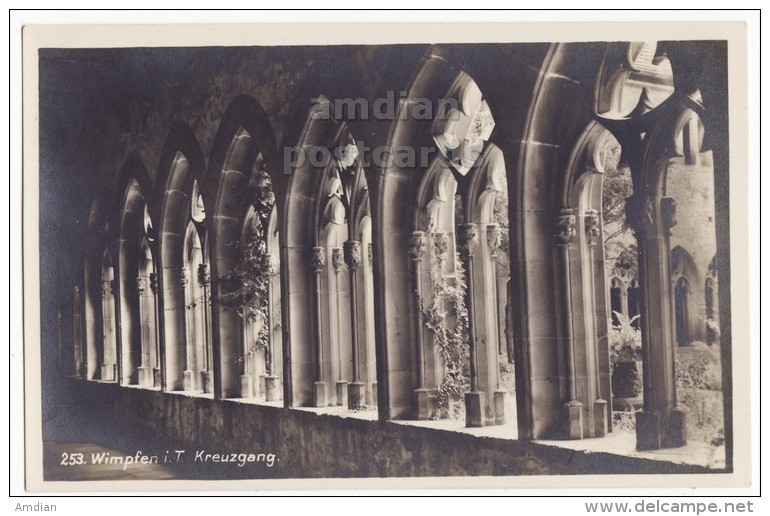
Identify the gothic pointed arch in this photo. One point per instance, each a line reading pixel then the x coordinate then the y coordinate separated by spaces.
pixel 244 145
pixel 180 168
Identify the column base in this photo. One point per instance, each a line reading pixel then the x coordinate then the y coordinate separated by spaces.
pixel 341 390
pixel 188 380
pixel 655 431
pixel 423 404
pixel 156 377
pixel 356 395
pixel 573 419
pixel 273 388
pixel 207 381
pixel 600 418
pixel 498 403
pixel 247 386
pixel 82 370
pixel 373 401
pixel 109 372
pixel 262 385
pixel 145 376
pixel 475 407
pixel 321 394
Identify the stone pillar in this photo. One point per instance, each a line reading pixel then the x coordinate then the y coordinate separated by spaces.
pixel 188 383
pixel 338 263
pixel 145 368
pixel 273 387
pixel 422 399
pixel 321 393
pixel 158 372
pixel 572 410
pixel 475 400
pixel 356 389
pixel 661 423
pixel 488 324
pixel 77 334
pixel 593 238
pixel 109 365
pixel 204 279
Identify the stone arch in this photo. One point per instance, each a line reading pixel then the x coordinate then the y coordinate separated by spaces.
pixel 98 238
pixel 244 144
pixel 327 199
pixel 650 136
pixel 181 167
pixel 685 282
pixel 396 247
pixel 135 227
pixel 586 301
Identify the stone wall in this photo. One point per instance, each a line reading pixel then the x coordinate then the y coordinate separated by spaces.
pixel 307 444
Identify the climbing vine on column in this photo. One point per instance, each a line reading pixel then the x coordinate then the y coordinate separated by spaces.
pixel 446 317
pixel 253 271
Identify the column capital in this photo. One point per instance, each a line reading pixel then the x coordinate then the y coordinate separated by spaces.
pixel 204 274
pixel 417 244
pixel 639 213
pixel 183 276
pixel 668 213
pixel 317 259
pixel 353 256
pixel 106 288
pixel 467 237
pixel 440 242
pixel 593 232
pixel 338 259
pixel 154 283
pixel 494 238
pixel 565 227
pixel 141 284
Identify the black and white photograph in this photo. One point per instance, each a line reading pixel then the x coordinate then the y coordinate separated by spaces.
pixel 500 254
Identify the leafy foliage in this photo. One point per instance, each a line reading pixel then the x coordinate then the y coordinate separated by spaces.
pixel 446 317
pixel 625 340
pixel 699 388
pixel 253 271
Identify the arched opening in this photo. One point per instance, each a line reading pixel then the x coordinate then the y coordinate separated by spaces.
pixel 146 285
pixel 682 310
pixel 258 273
pixel 138 314
pixel 195 280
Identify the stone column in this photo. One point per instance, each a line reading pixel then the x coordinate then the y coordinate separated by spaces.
pixel 204 279
pixel 356 389
pixel 475 400
pixel 338 263
pixel 77 334
pixel 273 387
pixel 317 262
pixel 593 238
pixel 422 398
pixel 490 325
pixel 108 366
pixel 145 368
pixel 661 423
pixel 573 409
pixel 158 372
pixel 188 383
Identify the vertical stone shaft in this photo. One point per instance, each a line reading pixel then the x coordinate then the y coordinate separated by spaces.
pixel 352 250
pixel 565 234
pixel 416 251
